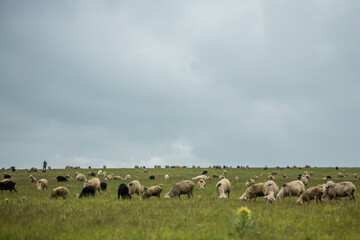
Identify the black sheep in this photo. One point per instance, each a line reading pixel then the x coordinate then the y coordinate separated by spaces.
pixel 13 169
pixel 61 179
pixel 7 185
pixel 152 177
pixel 7 176
pixel 93 174
pixel 87 191
pixel 204 172
pixel 103 186
pixel 123 191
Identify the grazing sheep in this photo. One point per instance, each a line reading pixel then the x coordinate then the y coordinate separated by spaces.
pixel 117 177
pixel 312 193
pixel 42 184
pixel 104 167
pixel 256 177
pixel 265 168
pixel 271 177
pixel 294 188
pixel 204 172
pixel 254 191
pixel 61 179
pixel 146 171
pixel 136 188
pixel 91 174
pixel 224 172
pixel 304 179
pixel 103 186
pixel 270 191
pixel 99 172
pixel 123 191
pixel 127 177
pixel 34 169
pixel 202 184
pixel 337 190
pixel 59 192
pixel 274 173
pixel 6 176
pixel 356 175
pixel 7 184
pixel 152 177
pixel 95 182
pixel 80 177
pixel 200 177
pixel 237 179
pixel 249 182
pixel 221 177
pixel 32 178
pixel 166 177
pixel 285 175
pixel 87 191
pixel 109 177
pixel 215 176
pixel 223 187
pixel 151 191
pixel 340 175
pixel 67 176
pixel 183 187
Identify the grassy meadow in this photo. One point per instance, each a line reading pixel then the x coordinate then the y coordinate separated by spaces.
pixel 30 214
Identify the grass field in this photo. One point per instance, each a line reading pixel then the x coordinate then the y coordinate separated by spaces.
pixel 30 214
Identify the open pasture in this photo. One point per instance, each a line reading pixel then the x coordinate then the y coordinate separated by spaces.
pixel 30 214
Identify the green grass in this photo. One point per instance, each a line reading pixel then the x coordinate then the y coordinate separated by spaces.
pixel 30 214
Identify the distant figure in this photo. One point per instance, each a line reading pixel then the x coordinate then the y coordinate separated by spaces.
pixel 44 165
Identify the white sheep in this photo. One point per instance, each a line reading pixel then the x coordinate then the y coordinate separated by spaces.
pixel 95 182
pixel 223 187
pixel 41 184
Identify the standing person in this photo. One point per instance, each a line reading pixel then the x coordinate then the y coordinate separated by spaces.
pixel 44 165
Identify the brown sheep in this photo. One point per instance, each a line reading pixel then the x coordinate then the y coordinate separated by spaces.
pixel 42 184
pixel 312 193
pixel 151 191
pixel 294 188
pixel 183 187
pixel 254 191
pixel 340 175
pixel 336 190
pixel 356 175
pixel 237 179
pixel 59 192
pixel 202 184
pixel 127 177
pixel 223 187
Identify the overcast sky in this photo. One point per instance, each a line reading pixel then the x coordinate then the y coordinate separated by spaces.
pixel 179 82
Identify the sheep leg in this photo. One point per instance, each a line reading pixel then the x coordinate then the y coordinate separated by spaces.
pixel 308 199
pixel 192 194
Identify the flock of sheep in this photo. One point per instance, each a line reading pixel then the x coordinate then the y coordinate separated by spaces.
pixel 269 190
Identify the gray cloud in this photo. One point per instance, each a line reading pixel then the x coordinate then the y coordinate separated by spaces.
pixel 124 83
